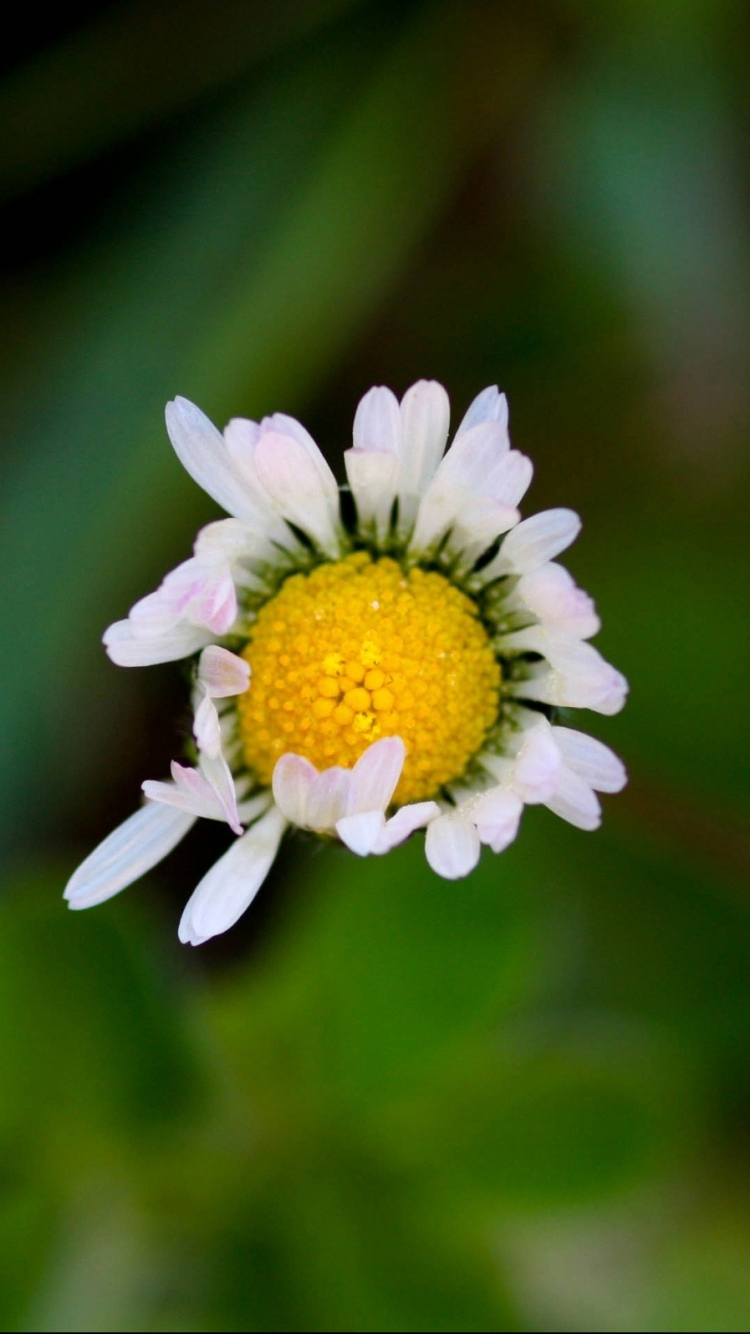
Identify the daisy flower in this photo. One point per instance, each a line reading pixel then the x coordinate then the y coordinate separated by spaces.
pixel 404 668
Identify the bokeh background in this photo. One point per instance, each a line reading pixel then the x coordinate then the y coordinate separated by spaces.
pixel 384 1102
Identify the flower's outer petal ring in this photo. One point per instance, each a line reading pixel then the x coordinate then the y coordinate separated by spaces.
pixel 127 650
pixel 452 846
pixel 230 886
pixel 131 850
pixel 497 814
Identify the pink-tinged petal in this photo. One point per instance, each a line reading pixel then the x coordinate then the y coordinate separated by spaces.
pixel 594 762
pixel 223 673
pixel 573 800
pixel 293 778
pixel 361 832
pixel 452 846
pixel 497 814
pixel 293 482
pixel 126 650
pixel 377 422
pixel 229 888
pixel 215 604
pixel 375 775
pixel 328 799
pixel 201 449
pixel 207 727
pixel 406 820
pixel 127 853
pixel 538 765
pixel 489 406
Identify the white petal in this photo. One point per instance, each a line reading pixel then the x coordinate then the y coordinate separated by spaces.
pixel 552 594
pixel 376 774
pixel 241 437
pixel 201 449
pixel 372 476
pixel 574 801
pixel 538 766
pixel 425 417
pixel 127 853
pixel 377 422
pixel 293 777
pixel 126 650
pixel 370 831
pixel 473 456
pixel 489 406
pixel 217 773
pixel 496 814
pixel 361 832
pixel 223 673
pixel 207 726
pixel 328 798
pixel 232 883
pixel 535 541
pixel 594 762
pixel 407 818
pixel 510 478
pixel 452 846
pixel 295 486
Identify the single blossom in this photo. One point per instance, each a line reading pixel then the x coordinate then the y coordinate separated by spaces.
pixel 364 682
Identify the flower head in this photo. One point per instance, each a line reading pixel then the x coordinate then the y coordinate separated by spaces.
pixel 364 682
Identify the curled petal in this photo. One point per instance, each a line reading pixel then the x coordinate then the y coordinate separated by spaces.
pixel 370 832
pixel 552 594
pixel 230 886
pixel 223 673
pixel 127 853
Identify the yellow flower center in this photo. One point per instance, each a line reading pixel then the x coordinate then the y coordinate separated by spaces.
pixel 358 650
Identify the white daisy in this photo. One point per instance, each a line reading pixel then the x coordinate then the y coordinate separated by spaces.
pixel 365 681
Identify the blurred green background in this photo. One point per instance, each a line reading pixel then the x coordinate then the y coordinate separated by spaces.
pixel 385 1101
